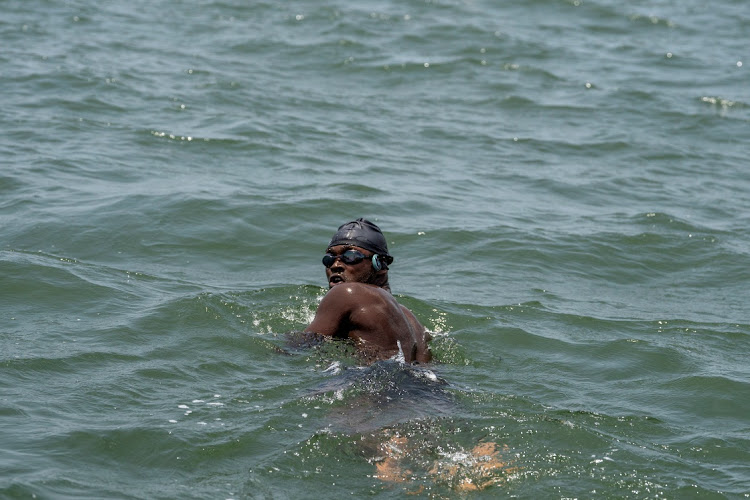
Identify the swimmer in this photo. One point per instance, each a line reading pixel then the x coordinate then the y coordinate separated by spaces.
pixel 359 304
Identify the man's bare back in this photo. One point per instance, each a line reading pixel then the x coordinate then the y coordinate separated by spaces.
pixel 371 317
pixel 359 304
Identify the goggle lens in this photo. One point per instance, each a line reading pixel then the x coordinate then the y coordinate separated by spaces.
pixel 349 257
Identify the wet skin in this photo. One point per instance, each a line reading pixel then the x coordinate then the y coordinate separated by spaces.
pixel 359 306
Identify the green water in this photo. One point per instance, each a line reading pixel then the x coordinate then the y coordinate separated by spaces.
pixel 563 186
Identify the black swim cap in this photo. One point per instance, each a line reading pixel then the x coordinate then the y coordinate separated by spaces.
pixel 364 234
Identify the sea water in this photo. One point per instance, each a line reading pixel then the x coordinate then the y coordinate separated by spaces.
pixel 564 186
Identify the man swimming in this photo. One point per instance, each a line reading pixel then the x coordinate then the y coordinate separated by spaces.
pixel 359 304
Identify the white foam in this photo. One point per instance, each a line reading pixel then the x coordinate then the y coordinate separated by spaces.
pixel 334 369
pixel 400 356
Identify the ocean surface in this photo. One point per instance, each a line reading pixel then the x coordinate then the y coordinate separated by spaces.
pixel 564 185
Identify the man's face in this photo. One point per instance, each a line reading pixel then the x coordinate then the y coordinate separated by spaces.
pixel 340 272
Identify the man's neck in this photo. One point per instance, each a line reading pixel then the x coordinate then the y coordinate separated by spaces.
pixel 382 282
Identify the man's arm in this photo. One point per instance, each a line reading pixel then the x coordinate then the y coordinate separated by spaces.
pixel 422 352
pixel 333 313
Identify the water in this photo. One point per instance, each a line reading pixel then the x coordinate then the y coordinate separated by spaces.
pixel 563 185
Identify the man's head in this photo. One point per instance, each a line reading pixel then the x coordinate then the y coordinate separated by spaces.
pixel 358 252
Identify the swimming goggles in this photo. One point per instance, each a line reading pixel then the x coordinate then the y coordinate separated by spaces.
pixel 349 257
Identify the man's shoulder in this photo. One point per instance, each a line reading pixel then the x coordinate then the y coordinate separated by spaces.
pixel 356 294
pixel 355 289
